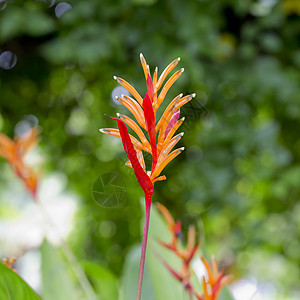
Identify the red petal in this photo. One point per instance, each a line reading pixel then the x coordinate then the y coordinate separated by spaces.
pixel 150 87
pixel 172 122
pixel 150 124
pixel 143 179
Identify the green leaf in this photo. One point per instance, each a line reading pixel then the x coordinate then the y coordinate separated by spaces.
pixel 104 281
pixel 130 277
pixel 57 284
pixel 225 294
pixel 12 286
pixel 143 2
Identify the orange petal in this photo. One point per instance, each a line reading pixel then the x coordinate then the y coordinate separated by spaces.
pixel 191 237
pixel 144 65
pixel 166 214
pixel 167 112
pixel 214 267
pixel 130 89
pixel 210 279
pixel 172 131
pixel 184 100
pixel 166 87
pixel 166 72
pixel 160 178
pixel 115 132
pixel 134 108
pixel 167 115
pixel 205 290
pixel 140 158
pixel 162 165
pixel 155 78
pixel 168 147
pixel 7 147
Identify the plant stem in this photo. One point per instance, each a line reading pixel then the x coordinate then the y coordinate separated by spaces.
pixel 70 256
pixel 148 197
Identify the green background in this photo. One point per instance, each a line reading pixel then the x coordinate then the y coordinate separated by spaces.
pixel 238 179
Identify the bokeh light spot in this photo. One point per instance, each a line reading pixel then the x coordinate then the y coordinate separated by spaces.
pixel 3 4
pixel 62 8
pixel 8 60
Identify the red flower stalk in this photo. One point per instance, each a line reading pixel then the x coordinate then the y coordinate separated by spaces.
pixel 144 111
pixel 14 152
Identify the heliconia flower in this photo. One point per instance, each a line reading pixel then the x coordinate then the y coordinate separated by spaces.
pixel 215 281
pixel 160 140
pixel 212 283
pixel 14 152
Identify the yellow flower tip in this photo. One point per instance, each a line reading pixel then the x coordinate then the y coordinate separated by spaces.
pixel 181 149
pixel 182 70
pixel 141 55
pixel 118 115
pixel 115 77
pixel 178 58
pixel 182 119
pixel 102 130
pixel 194 95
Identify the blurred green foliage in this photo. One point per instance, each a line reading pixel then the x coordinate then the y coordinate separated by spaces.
pixel 239 176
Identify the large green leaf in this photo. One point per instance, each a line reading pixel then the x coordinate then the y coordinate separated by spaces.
pixel 104 281
pixel 12 286
pixel 225 294
pixel 57 284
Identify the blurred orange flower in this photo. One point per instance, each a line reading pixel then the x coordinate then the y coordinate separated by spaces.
pixel 213 282
pixel 14 152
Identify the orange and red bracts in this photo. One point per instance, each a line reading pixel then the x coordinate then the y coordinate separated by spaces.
pixel 212 283
pixel 160 140
pixel 143 179
pixel 160 137
pixel 14 152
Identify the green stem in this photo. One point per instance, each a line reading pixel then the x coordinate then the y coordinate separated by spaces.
pixel 148 198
